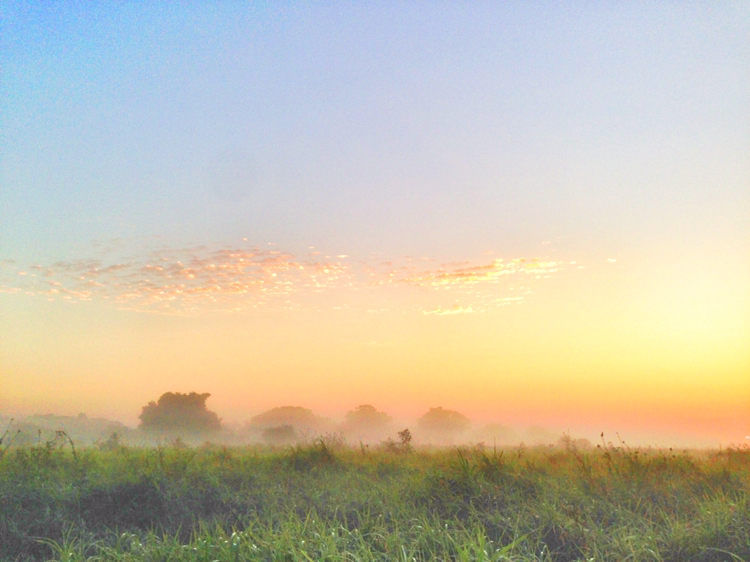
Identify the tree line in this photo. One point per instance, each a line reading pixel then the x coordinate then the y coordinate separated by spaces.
pixel 175 412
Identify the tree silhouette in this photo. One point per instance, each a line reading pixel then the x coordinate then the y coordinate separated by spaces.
pixel 365 420
pixel 279 434
pixel 439 421
pixel 296 416
pixel 180 412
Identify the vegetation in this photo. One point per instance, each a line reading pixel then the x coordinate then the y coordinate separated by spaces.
pixel 324 501
pixel 280 434
pixel 300 419
pixel 366 421
pixel 180 413
pixel 443 423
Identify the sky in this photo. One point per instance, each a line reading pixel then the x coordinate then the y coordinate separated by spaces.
pixel 536 214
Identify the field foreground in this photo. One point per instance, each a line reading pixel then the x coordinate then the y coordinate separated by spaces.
pixel 323 501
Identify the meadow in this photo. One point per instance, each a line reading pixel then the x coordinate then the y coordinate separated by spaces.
pixel 324 500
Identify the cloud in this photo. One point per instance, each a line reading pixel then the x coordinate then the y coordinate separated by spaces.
pixel 461 275
pixel 182 279
pixel 187 280
pixel 455 309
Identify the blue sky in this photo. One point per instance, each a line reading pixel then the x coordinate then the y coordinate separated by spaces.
pixel 394 126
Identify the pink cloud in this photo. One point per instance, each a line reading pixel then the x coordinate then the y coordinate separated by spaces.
pixel 192 279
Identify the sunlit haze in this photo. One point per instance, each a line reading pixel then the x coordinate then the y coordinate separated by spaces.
pixel 537 215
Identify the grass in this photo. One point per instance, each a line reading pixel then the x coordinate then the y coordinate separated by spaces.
pixel 323 501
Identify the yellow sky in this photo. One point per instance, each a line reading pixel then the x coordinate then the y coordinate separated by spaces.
pixel 594 343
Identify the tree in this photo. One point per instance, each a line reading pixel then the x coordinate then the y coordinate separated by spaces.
pixel 443 422
pixel 180 412
pixel 366 419
pixel 295 416
pixel 279 434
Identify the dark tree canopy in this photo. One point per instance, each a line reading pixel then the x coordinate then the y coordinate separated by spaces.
pixel 295 416
pixel 180 412
pixel 366 417
pixel 442 421
pixel 279 434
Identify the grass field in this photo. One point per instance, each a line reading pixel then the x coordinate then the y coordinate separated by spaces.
pixel 325 501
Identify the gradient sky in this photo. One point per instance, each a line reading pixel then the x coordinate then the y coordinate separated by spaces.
pixel 532 213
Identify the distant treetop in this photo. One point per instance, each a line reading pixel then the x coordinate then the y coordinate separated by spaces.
pixel 295 416
pixel 442 421
pixel 175 412
pixel 366 417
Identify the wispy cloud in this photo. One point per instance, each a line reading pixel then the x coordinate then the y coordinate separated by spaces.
pixel 455 309
pixel 467 274
pixel 242 278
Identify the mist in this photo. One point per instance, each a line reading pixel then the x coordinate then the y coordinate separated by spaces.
pixel 364 425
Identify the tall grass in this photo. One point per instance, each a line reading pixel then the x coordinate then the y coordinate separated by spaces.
pixel 323 501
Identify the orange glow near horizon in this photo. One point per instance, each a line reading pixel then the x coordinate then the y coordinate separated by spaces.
pixel 573 349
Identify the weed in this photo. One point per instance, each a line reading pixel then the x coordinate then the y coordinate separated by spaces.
pixel 491 467
pixel 309 457
pixel 5 438
pixel 403 445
